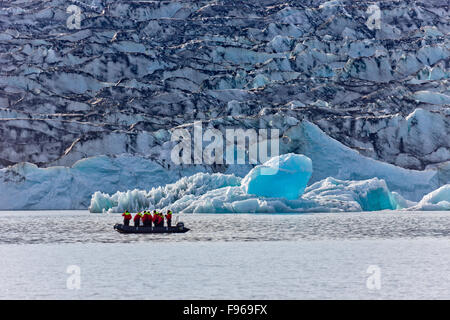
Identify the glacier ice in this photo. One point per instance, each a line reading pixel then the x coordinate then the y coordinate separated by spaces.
pixel 284 176
pixel 328 195
pixel 161 197
pixel 332 159
pixel 432 97
pixel 190 76
pixel 436 200
pixel 365 195
pixel 222 193
pixel 65 188
pixel 47 188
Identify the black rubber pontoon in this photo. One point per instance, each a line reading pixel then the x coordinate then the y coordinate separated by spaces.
pixel 180 228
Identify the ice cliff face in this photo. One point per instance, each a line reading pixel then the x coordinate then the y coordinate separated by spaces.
pixel 135 70
pixel 135 67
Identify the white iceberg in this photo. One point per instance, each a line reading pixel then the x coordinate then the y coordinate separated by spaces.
pixel 161 197
pixel 365 195
pixel 329 195
pixel 437 200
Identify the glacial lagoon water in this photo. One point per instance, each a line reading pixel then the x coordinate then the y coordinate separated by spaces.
pixel 370 255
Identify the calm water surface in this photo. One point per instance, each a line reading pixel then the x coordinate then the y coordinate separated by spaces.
pixel 311 256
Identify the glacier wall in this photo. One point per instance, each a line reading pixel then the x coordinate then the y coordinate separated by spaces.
pixel 26 186
pixel 137 67
pixel 361 103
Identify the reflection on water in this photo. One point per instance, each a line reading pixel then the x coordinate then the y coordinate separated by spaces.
pixel 39 227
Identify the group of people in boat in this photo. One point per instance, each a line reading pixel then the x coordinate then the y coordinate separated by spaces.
pixel 148 219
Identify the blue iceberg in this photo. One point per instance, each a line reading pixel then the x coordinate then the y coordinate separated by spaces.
pixel 284 176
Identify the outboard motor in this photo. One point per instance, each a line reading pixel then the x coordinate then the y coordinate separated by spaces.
pixel 180 225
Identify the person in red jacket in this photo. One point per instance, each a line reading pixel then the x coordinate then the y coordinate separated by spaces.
pixel 158 219
pixel 161 219
pixel 155 219
pixel 137 219
pixel 146 219
pixel 150 218
pixel 126 218
pixel 169 218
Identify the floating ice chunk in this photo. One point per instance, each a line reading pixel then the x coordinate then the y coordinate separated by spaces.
pixel 220 193
pixel 401 202
pixel 439 199
pixel 368 195
pixel 100 202
pixel 131 200
pixel 328 195
pixel 284 176
pixel 161 197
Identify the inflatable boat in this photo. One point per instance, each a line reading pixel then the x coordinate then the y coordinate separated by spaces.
pixel 179 228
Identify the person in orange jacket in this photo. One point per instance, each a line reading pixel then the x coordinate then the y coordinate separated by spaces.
pixel 169 218
pixel 126 218
pixel 137 219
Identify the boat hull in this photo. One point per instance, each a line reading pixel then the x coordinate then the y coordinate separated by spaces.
pixel 132 229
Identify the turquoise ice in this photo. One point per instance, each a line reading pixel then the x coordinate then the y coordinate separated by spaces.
pixel 284 176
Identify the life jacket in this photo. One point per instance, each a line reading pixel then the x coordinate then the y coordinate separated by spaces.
pixel 147 216
pixel 169 216
pixel 126 215
pixel 138 217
